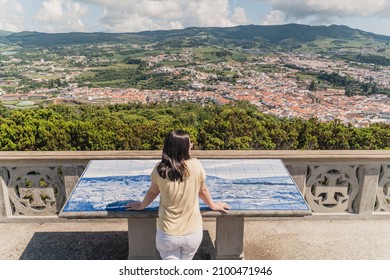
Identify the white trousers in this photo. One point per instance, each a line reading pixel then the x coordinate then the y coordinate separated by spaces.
pixel 180 247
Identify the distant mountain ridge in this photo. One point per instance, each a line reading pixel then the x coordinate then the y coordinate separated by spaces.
pixel 238 35
pixel 4 33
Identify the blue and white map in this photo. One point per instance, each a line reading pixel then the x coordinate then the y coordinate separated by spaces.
pixel 245 184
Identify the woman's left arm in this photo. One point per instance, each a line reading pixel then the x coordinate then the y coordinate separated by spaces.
pixel 152 193
pixel 204 194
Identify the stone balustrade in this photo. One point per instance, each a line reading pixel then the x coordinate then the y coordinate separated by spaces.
pixel 354 183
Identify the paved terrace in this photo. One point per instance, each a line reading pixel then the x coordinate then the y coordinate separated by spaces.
pixel 350 222
pixel 314 239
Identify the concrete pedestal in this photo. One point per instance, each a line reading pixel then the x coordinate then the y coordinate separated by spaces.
pixel 229 243
pixel 142 236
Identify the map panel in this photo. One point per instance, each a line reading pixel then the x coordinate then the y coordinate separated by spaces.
pixel 245 184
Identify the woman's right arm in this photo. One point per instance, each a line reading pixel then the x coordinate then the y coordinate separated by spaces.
pixel 152 193
pixel 204 194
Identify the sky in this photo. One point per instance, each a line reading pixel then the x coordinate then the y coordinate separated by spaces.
pixel 140 15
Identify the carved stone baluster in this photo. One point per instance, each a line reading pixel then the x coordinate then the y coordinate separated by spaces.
pixel 332 189
pixel 382 203
pixel 35 191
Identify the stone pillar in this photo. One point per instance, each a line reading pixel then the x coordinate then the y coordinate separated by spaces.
pixel 368 181
pixel 299 174
pixel 142 239
pixel 229 243
pixel 71 175
pixel 3 192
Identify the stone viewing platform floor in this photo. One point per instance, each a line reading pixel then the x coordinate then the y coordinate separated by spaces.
pixel 268 239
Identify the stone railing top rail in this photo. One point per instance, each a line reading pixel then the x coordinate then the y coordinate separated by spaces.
pixel 287 155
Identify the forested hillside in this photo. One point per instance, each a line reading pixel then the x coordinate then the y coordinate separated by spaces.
pixel 260 36
pixel 142 127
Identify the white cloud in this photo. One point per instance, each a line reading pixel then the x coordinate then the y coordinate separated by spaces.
pixel 138 15
pixel 324 12
pixel 240 16
pixel 208 13
pixel 274 18
pixel 51 11
pixel 160 9
pixel 112 3
pixel 11 12
pixel 61 15
pixel 123 21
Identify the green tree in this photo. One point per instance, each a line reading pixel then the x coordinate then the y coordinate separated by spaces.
pixel 313 86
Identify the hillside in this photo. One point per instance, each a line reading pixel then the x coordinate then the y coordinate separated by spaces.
pixel 245 36
pixel 4 33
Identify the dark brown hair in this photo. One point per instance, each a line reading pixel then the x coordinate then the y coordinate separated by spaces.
pixel 175 153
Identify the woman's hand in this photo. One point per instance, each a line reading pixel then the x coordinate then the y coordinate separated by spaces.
pixel 134 206
pixel 221 207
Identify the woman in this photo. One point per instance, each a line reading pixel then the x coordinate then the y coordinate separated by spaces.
pixel 179 180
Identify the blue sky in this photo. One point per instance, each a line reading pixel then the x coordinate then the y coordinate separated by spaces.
pixel 139 15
